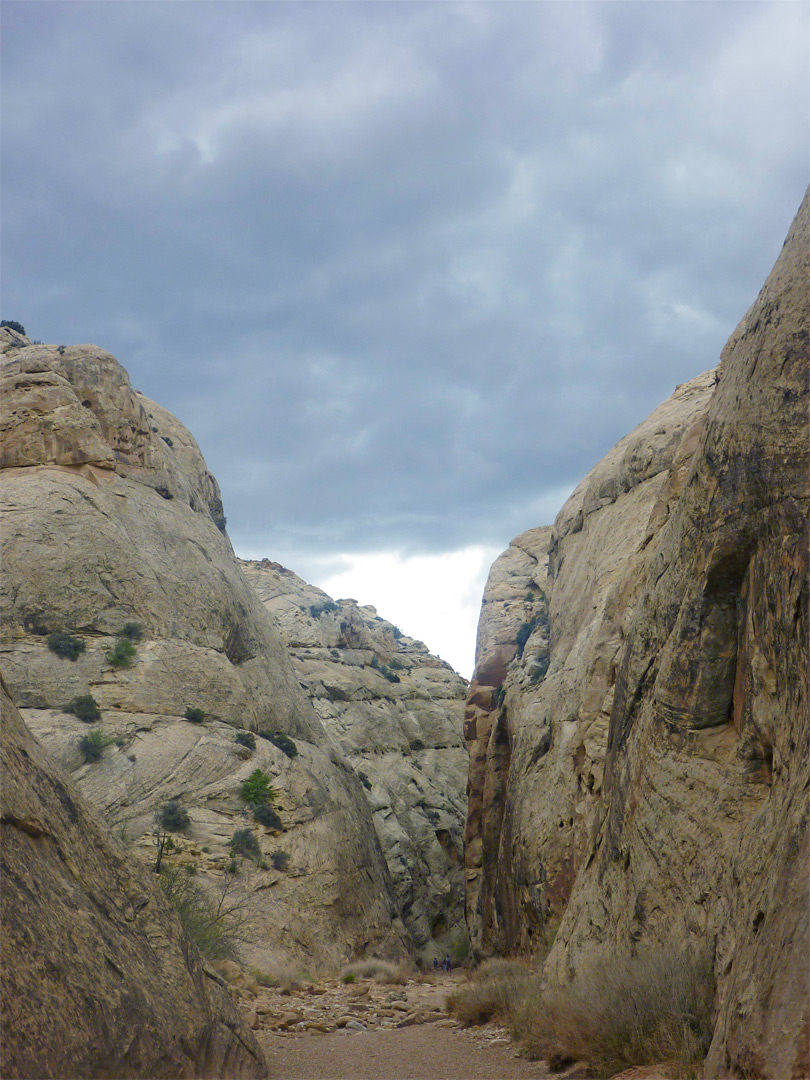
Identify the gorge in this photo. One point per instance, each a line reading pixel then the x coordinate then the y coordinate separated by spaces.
pixel 637 723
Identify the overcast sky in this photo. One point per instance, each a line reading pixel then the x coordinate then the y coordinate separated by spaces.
pixel 406 270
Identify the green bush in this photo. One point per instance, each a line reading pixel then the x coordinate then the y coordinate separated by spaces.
pixel 93 743
pixel 266 815
pixel 257 788
pixel 396 632
pixel 245 843
pixel 196 716
pixel 133 631
pixel 364 780
pixel 12 324
pixel 213 925
pixel 320 609
pixel 84 707
pixel 280 860
pixel 121 654
pixel 174 817
pixel 246 738
pixel 65 645
pixel 282 741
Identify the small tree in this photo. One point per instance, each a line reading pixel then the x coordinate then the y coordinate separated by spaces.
pixel 12 324
pixel 280 860
pixel 121 654
pixel 196 716
pixel 257 788
pixel 246 738
pixel 245 843
pixel 65 645
pixel 93 743
pixel 133 631
pixel 84 707
pixel 174 817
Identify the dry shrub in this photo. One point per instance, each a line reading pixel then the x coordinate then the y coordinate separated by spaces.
pixel 622 1012
pixel 287 979
pixel 494 990
pixel 381 971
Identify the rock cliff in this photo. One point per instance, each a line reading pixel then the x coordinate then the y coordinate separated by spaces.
pixel 110 518
pixel 396 712
pixel 97 976
pixel 653 784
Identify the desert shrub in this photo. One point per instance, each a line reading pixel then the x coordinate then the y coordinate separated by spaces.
pixel 320 609
pixel 245 843
pixel 381 971
pixel 396 632
pixel 246 738
pixel 133 631
pixel 364 780
pixel 625 1012
pixel 257 788
pixel 12 324
pixel 395 665
pixel 280 860
pixel 84 707
pixel 93 743
pixel 212 924
pixel 496 988
pixel 196 716
pixel 64 644
pixel 284 979
pixel 266 815
pixel 121 654
pixel 284 743
pixel 523 634
pixel 173 817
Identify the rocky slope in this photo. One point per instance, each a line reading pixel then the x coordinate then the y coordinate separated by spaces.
pixel 111 517
pixel 396 713
pixel 97 977
pixel 653 785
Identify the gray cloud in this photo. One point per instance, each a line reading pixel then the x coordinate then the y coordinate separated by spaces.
pixel 403 269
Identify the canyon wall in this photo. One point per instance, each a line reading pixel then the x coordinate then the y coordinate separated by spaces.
pixel 640 753
pixel 396 713
pixel 111 517
pixel 97 976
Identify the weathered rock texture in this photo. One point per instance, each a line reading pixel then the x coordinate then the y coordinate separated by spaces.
pixel 396 712
pixel 97 976
pixel 654 784
pixel 111 516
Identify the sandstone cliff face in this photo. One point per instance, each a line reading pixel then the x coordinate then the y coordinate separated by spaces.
pixel 540 699
pixel 396 713
pixel 111 516
pixel 675 755
pixel 97 976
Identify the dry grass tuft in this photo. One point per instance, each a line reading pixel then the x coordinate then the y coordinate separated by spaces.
pixel 286 979
pixel 494 989
pixel 623 1012
pixel 381 971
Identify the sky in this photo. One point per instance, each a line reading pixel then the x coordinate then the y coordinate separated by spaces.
pixel 406 270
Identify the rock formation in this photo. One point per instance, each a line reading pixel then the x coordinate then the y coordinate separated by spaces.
pixel 653 784
pixel 396 713
pixel 97 976
pixel 111 517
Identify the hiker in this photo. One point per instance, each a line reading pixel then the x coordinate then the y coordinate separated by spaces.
pixel 435 963
pixel 446 965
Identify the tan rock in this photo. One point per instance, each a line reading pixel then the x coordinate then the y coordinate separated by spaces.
pixel 653 784
pixel 111 516
pixel 396 713
pixel 97 976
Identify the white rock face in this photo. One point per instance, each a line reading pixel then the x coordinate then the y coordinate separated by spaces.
pixel 396 712
pixel 110 516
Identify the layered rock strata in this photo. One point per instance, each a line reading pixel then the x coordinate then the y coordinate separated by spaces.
pixel 396 712
pixel 668 741
pixel 97 976
pixel 111 517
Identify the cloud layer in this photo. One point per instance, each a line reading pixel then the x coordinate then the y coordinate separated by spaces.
pixel 406 270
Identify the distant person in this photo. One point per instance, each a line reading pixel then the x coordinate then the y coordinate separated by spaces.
pixel 435 963
pixel 447 965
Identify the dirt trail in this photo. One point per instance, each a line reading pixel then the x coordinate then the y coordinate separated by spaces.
pixel 370 1031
